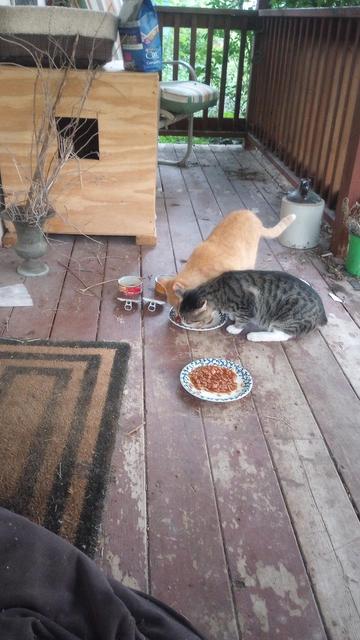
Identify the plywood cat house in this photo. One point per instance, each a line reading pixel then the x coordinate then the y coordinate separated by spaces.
pixel 111 191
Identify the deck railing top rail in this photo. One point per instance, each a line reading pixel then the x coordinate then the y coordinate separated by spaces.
pixel 314 12
pixel 186 16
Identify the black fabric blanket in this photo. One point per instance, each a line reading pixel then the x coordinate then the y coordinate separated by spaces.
pixel 49 590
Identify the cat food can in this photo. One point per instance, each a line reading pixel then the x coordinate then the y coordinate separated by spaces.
pixel 130 285
pixel 159 288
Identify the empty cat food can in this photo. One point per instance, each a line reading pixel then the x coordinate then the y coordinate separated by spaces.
pixel 130 285
pixel 159 287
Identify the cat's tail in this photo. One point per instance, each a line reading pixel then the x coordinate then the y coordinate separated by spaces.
pixel 274 232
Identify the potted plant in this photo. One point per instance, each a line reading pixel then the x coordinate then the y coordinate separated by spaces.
pixel 52 146
pixel 352 218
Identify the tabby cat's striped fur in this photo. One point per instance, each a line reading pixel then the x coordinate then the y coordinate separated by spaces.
pixel 281 305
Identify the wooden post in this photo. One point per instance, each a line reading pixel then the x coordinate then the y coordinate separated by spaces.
pixel 350 184
pixel 261 4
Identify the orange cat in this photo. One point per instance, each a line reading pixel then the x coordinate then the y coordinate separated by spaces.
pixel 231 246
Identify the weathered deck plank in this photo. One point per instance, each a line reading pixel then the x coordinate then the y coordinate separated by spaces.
pixel 318 503
pixel 342 288
pixel 245 496
pixel 187 563
pixel 87 265
pixel 36 322
pixel 124 527
pixel 8 276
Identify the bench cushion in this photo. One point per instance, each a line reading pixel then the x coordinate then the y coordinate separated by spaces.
pixel 187 96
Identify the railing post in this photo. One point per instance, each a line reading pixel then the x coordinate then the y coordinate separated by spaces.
pixel 350 183
pixel 261 4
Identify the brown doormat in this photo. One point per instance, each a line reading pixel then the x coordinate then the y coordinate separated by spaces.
pixel 59 409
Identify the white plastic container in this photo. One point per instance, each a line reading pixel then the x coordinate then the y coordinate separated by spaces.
pixel 304 232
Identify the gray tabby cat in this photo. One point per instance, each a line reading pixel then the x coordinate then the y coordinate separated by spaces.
pixel 281 305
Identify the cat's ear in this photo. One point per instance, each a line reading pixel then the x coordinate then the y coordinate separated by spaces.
pixel 178 289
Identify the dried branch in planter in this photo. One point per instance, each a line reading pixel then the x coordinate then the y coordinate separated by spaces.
pixel 52 146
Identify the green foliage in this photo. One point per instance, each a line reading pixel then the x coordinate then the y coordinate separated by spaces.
pixel 217 54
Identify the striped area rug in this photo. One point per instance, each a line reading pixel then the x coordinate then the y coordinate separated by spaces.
pixel 59 410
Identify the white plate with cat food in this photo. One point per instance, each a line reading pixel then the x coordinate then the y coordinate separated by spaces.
pixel 218 321
pixel 216 380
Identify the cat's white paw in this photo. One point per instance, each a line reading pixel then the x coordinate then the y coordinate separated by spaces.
pixel 254 336
pixel 234 329
pixel 268 336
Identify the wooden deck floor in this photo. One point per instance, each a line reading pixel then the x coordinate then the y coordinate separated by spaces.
pixel 243 516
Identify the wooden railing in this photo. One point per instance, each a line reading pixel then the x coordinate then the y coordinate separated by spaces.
pixel 304 96
pixel 221 25
pixel 304 102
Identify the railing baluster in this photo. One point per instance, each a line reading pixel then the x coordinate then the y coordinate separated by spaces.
pixel 268 82
pixel 350 88
pixel 350 176
pixel 210 42
pixel 209 49
pixel 340 90
pixel 283 104
pixel 240 75
pixel 263 60
pixel 325 93
pixel 309 120
pixel 193 40
pixel 176 46
pixel 279 95
pixel 319 96
pixel 291 88
pixel 224 71
pixel 308 61
pixel 300 73
pixel 271 103
pixel 253 88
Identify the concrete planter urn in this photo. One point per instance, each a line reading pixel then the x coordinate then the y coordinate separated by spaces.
pixel 31 243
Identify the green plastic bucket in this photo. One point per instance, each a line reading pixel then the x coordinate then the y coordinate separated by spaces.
pixel 352 262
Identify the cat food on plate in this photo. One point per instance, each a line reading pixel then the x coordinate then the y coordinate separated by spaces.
pixel 214 378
